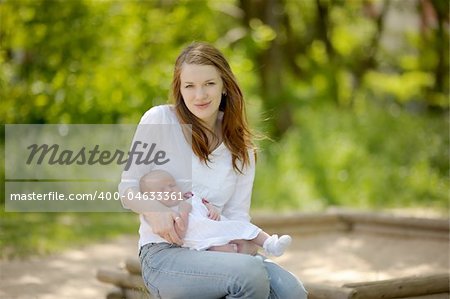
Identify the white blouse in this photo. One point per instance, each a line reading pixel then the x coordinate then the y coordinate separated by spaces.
pixel 228 190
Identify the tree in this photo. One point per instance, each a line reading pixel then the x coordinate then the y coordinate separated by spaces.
pixel 333 51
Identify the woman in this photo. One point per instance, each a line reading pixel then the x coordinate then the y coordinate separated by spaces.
pixel 207 97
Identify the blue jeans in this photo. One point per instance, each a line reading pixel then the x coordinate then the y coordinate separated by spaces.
pixel 170 271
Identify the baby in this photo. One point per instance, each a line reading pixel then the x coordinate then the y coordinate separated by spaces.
pixel 207 229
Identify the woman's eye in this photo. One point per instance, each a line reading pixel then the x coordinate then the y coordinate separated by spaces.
pixel 188 86
pixel 210 83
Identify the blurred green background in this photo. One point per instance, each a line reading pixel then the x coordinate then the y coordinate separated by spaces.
pixel 352 95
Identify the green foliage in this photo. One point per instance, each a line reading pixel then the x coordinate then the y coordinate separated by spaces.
pixel 347 97
pixel 94 61
pixel 371 159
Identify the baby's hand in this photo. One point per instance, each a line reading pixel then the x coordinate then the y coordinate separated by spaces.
pixel 213 213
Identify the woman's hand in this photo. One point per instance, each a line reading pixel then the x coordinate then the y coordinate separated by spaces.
pixel 246 247
pixel 168 225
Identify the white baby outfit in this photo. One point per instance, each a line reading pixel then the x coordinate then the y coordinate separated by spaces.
pixel 203 232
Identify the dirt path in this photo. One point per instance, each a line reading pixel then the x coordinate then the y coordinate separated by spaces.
pixel 333 258
pixel 67 275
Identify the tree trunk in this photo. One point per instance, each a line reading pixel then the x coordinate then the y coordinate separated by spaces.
pixel 270 63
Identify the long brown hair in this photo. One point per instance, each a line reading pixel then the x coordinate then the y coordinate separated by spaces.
pixel 235 131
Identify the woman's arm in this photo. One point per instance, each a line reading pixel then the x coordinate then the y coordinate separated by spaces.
pixel 129 183
pixel 238 206
pixel 161 218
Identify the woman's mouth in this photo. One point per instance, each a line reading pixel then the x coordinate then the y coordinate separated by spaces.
pixel 203 105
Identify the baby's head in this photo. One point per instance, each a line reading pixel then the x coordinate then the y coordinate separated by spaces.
pixel 159 181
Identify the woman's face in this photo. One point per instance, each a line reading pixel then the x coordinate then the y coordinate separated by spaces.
pixel 202 88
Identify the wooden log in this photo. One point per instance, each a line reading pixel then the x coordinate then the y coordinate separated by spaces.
pixel 399 231
pixel 271 221
pixel 133 266
pixel 121 279
pixel 115 294
pixel 432 296
pixel 321 291
pixel 401 287
pixel 137 294
pixel 307 229
pixel 343 220
pixel 412 223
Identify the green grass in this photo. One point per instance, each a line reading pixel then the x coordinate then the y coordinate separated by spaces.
pixel 33 234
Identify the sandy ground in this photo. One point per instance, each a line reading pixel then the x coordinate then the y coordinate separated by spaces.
pixel 67 275
pixel 337 258
pixel 332 258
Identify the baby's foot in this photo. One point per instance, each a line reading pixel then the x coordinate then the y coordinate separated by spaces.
pixel 276 246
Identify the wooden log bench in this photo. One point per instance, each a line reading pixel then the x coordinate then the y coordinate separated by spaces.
pixel 128 283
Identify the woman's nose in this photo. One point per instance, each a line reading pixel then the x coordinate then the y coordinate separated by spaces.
pixel 199 93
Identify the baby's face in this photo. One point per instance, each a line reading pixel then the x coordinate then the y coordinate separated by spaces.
pixel 163 183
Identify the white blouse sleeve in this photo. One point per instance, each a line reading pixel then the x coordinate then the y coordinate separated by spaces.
pixel 130 178
pixel 238 206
